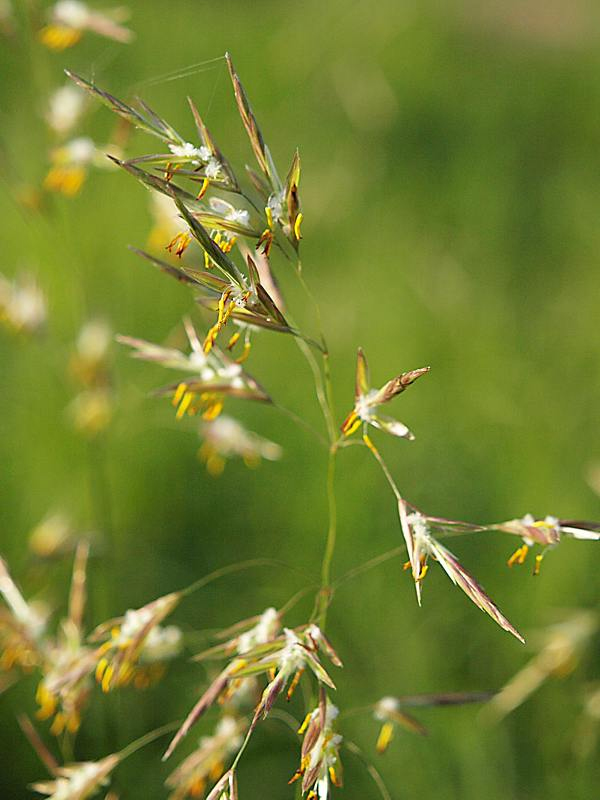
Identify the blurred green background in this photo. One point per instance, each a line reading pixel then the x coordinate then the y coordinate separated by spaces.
pixel 451 194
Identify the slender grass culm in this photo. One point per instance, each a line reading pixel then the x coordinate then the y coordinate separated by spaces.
pixel 230 234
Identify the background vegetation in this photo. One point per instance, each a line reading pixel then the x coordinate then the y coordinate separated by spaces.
pixel 451 197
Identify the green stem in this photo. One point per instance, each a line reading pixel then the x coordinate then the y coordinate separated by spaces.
pixel 320 386
pixel 324 391
pixel 240 566
pixel 324 596
pixel 147 738
pixel 368 565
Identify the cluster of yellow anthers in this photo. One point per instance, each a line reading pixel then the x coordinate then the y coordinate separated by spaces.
pixel 63 662
pixel 189 402
pixel 69 165
pixel 283 659
pixel 267 237
pixel 22 626
pixel 182 240
pixel 138 646
pixel 319 757
pixel 213 377
pixel 71 161
pixel 225 309
pixel 16 646
pixel 67 714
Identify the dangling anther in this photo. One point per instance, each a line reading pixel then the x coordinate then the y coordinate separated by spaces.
pixel 519 556
pixel 203 189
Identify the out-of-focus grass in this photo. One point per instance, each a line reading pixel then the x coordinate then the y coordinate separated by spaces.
pixel 451 194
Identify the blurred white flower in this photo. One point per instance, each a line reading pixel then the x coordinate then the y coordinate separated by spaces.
pixel 225 438
pixel 65 108
pixel 22 304
pixel 78 781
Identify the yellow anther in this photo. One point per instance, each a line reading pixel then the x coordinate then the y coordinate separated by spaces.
pixel 423 572
pixel 269 216
pixel 73 722
pixel 101 668
pixel 213 410
pixel 125 673
pixel 106 678
pixel 184 405
pixel 245 353
pixel 351 423
pixel 216 771
pixel 58 724
pixel 294 683
pixel 207 261
pixel 538 563
pixel 266 240
pixel 519 556
pixel 210 338
pixel 47 702
pixel 179 243
pixel 196 789
pixel 297 224
pixel 59 37
pixel 304 725
pixel 221 307
pixel 65 179
pixel 385 737
pixel 233 340
pixel 239 665
pixel 179 392
pixel 407 565
pixel 203 189
pixel 334 777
